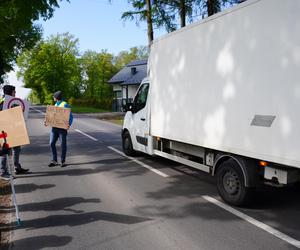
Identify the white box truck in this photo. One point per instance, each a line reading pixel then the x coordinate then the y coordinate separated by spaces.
pixel 223 96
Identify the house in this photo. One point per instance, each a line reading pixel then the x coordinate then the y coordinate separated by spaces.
pixel 126 82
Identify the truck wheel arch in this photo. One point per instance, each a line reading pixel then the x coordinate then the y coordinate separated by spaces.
pixel 241 163
pixel 127 143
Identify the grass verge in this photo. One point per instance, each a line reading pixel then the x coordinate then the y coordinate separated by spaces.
pixel 115 119
pixel 80 109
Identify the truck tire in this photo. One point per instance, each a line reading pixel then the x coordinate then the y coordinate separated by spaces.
pixel 127 144
pixel 231 184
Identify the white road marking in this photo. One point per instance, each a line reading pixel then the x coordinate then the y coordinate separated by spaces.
pixel 131 158
pixel 254 222
pixel 140 163
pixel 91 137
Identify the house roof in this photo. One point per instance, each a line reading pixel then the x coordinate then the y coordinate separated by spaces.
pixel 133 73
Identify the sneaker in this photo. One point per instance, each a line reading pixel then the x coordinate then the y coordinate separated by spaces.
pixel 63 164
pixel 53 164
pixel 5 177
pixel 21 171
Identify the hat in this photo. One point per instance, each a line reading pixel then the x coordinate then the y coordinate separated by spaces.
pixel 58 95
pixel 8 89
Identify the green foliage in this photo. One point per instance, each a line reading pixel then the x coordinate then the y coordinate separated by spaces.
pixel 205 8
pixel 166 13
pixel 135 53
pixel 104 103
pixel 97 69
pixel 82 109
pixel 50 66
pixel 33 97
pixel 18 32
pixel 55 64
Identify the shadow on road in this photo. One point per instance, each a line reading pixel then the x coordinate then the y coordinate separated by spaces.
pixel 57 204
pixel 119 166
pixel 39 242
pixel 27 188
pixel 73 220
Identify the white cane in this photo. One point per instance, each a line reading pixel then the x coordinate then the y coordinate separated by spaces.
pixel 9 162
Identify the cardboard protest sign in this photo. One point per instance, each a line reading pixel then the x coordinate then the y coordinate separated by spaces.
pixel 11 102
pixel 57 117
pixel 13 124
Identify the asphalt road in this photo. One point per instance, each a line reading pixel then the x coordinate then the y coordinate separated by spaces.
pixel 103 200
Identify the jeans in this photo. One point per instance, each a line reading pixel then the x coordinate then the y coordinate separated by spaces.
pixel 16 159
pixel 62 135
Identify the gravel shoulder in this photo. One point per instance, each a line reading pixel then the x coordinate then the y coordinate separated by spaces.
pixel 5 210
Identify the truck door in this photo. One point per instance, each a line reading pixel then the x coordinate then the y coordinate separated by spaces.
pixel 140 118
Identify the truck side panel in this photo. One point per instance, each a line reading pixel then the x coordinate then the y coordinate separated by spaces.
pixel 232 82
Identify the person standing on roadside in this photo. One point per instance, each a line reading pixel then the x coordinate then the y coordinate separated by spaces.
pixel 11 90
pixel 59 133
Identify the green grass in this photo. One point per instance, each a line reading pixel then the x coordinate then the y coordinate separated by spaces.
pixel 118 121
pixel 80 109
pixel 115 120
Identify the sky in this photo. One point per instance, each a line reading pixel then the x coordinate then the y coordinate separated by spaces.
pixel 98 26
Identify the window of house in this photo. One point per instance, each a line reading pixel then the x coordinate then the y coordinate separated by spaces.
pixel 118 94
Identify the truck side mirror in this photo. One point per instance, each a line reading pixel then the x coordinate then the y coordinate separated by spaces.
pixel 128 107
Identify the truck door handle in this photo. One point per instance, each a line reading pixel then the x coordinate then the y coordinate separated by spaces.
pixel 143 119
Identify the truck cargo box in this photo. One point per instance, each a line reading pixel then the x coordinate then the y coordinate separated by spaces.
pixel 232 82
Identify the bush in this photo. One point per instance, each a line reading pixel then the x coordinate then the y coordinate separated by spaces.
pixel 72 101
pixel 101 104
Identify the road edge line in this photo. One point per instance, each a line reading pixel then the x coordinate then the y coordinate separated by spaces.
pixel 89 136
pixel 254 222
pixel 139 162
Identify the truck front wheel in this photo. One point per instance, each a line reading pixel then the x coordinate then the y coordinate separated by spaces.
pixel 231 183
pixel 127 144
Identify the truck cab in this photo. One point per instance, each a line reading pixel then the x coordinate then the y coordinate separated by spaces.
pixel 136 127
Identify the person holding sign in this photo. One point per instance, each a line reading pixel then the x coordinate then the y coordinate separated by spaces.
pixel 3 152
pixel 11 90
pixel 60 133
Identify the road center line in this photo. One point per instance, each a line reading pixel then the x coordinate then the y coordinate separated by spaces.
pixel 139 162
pixel 91 137
pixel 254 222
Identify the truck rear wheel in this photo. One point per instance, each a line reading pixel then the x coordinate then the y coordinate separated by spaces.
pixel 127 144
pixel 231 183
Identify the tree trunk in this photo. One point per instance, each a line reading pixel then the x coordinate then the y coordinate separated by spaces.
pixel 182 13
pixel 149 22
pixel 212 7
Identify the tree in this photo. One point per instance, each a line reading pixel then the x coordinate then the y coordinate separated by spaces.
pixel 211 7
pixel 50 66
pixel 135 53
pixel 97 69
pixel 154 12
pixel 17 28
pixel 142 12
pixel 165 13
pixel 169 10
